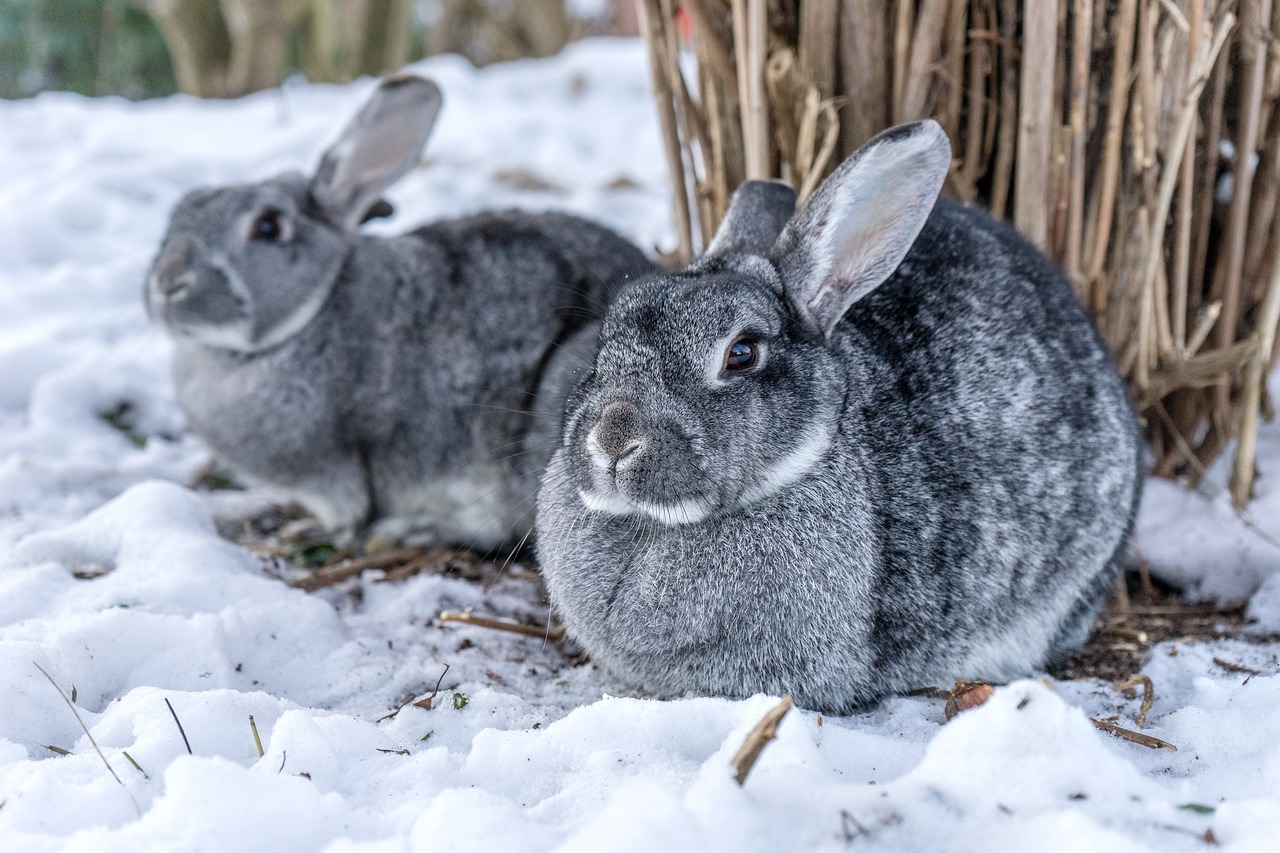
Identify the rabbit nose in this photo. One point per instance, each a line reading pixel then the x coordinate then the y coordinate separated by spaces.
pixel 172 273
pixel 616 435
pixel 175 284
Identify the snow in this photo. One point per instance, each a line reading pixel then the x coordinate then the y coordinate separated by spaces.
pixel 114 580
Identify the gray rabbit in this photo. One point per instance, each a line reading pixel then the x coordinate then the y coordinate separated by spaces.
pixel 868 447
pixel 417 379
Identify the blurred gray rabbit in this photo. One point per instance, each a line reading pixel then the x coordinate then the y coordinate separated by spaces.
pixel 868 447
pixel 417 379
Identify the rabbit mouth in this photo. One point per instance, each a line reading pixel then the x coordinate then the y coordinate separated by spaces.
pixel 673 514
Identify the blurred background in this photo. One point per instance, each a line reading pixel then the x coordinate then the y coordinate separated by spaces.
pixel 226 48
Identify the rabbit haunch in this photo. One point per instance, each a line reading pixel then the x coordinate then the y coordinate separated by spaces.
pixel 865 447
pixel 417 381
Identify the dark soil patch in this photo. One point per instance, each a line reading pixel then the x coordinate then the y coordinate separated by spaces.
pixel 1154 613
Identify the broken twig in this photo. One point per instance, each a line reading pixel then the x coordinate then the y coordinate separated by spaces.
pixel 1133 737
pixel 468 618
pixel 758 738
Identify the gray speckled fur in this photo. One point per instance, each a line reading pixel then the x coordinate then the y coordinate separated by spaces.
pixel 971 505
pixel 425 378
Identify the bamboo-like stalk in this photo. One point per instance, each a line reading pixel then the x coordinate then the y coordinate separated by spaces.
pixel 1186 195
pixel 1117 103
pixel 1008 122
pixel 1081 54
pixel 926 37
pixel 648 14
pixel 864 70
pixel 1255 44
pixel 1242 472
pixel 1206 56
pixel 1035 123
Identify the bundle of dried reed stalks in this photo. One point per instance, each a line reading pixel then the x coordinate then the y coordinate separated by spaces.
pixel 1136 141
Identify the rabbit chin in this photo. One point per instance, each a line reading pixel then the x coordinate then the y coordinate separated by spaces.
pixel 687 511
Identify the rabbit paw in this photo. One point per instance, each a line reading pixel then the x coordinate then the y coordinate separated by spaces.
pixel 399 532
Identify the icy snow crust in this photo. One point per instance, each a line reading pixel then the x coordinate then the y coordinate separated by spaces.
pixel 538 757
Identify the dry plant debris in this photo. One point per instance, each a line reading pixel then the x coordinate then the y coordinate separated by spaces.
pixel 1133 737
pixel 758 738
pixel 1125 632
pixel 1148 696
pixel 468 618
pixel 966 695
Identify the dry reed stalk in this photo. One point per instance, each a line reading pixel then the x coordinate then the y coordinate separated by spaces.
pixel 817 51
pixel 976 99
pixel 1242 472
pixel 690 124
pixel 927 37
pixel 1186 191
pixel 1204 59
pixel 651 26
pixel 1007 124
pixel 951 110
pixel 1117 102
pixel 1036 122
pixel 1209 173
pixel 902 27
pixel 865 70
pixel 1254 45
pixel 1081 55
pixel 751 31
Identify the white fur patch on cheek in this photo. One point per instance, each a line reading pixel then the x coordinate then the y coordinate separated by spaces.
pixel 233 336
pixel 793 467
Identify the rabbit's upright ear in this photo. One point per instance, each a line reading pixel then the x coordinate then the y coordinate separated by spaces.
pixel 757 213
pixel 381 144
pixel 854 231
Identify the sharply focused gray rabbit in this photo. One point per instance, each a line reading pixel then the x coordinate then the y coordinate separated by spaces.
pixel 881 450
pixel 418 379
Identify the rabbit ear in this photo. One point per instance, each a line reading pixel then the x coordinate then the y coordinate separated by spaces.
pixel 378 146
pixel 757 213
pixel 854 231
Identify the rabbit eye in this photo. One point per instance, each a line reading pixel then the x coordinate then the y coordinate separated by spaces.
pixel 267 227
pixel 742 354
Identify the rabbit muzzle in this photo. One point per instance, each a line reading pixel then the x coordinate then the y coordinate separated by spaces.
pixel 198 300
pixel 631 464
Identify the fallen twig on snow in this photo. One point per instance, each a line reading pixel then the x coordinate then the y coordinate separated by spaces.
pixel 1148 696
pixel 353 568
pixel 468 618
pixel 1133 737
pixel 1235 667
pixel 758 738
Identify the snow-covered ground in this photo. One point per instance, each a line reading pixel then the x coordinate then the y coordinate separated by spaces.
pixel 113 580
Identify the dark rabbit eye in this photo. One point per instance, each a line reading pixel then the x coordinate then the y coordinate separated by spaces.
pixel 267 227
pixel 741 355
